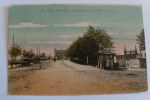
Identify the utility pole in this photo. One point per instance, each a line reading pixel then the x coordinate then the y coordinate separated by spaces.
pixel 13 41
pixel 37 51
pixel 87 59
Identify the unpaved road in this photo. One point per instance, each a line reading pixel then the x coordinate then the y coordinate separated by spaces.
pixel 67 78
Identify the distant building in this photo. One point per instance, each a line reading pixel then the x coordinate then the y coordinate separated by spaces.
pixel 107 60
pixel 130 54
pixel 137 63
pixel 132 58
pixel 59 54
pixel 123 60
pixel 140 61
pixel 142 57
pixel 143 53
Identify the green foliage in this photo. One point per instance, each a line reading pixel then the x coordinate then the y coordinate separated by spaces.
pixel 88 45
pixel 15 51
pixel 141 40
pixel 42 55
pixel 28 54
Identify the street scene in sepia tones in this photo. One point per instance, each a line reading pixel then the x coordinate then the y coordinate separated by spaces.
pixel 76 49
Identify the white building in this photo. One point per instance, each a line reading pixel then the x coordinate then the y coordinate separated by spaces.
pixel 143 53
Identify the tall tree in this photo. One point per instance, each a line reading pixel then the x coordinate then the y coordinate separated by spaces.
pixel 100 36
pixel 141 40
pixel 28 54
pixel 15 51
pixel 88 45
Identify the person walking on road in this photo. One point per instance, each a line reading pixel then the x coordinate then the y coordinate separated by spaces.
pixel 54 59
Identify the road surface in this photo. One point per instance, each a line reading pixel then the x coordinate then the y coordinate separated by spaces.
pixel 67 78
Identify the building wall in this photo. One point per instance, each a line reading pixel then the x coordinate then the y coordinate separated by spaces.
pixel 59 54
pixel 143 53
pixel 143 63
pixel 134 63
pixel 138 63
pixel 122 62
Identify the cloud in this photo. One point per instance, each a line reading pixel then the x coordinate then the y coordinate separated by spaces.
pixel 71 36
pixel 51 42
pixel 27 25
pixel 32 25
pixel 82 24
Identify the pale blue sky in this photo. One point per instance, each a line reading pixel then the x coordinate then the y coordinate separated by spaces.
pixel 50 26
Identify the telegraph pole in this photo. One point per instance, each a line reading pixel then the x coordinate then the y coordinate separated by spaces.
pixel 37 51
pixel 13 41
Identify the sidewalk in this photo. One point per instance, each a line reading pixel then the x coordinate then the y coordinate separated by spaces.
pixel 79 66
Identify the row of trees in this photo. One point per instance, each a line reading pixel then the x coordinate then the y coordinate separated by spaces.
pixel 88 46
pixel 16 51
pixel 93 41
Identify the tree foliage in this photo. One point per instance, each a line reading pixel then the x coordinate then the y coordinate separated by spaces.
pixel 88 45
pixel 28 54
pixel 15 51
pixel 141 40
pixel 42 55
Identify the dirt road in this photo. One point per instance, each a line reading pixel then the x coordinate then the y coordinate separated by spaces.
pixel 67 78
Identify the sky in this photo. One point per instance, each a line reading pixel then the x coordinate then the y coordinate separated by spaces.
pixel 57 26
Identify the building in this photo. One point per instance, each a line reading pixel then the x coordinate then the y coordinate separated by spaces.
pixel 130 54
pixel 121 60
pixel 60 54
pixel 137 63
pixel 107 60
pixel 132 59
pixel 143 53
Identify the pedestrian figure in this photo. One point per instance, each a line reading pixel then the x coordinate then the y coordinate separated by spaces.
pixel 107 63
pixel 40 64
pixel 54 59
pixel 127 63
pixel 104 63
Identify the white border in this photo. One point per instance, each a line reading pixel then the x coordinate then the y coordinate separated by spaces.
pixel 4 4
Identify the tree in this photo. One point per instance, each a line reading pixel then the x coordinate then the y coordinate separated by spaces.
pixel 100 36
pixel 15 51
pixel 28 54
pixel 42 55
pixel 88 45
pixel 141 40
